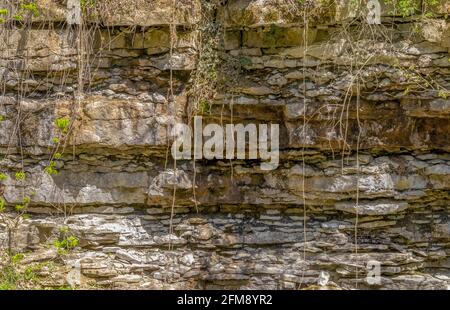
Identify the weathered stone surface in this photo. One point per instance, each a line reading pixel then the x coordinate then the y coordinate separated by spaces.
pixel 46 44
pixel 148 13
pixel 120 12
pixel 364 171
pixel 377 207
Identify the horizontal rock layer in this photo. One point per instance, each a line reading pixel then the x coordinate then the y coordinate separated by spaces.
pixel 364 172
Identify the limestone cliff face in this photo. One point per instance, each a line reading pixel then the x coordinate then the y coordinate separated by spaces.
pixel 364 170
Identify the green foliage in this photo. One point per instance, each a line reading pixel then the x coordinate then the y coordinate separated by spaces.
pixel 29 273
pixel 9 275
pixel 64 230
pixel 21 207
pixel 62 124
pixel 9 278
pixel 66 242
pixel 65 245
pixel 20 175
pixel 409 7
pixel 18 17
pixel 87 4
pixel 2 205
pixel 3 12
pixel 3 177
pixel 444 94
pixel 2 118
pixel 25 8
pixel 431 2
pixel 30 7
pixel 14 276
pixel 15 259
pixel 404 7
pixel 50 169
pixel 204 107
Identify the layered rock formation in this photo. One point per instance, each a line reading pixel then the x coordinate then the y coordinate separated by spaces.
pixel 364 170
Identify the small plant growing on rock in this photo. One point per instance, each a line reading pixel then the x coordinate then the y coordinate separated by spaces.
pixel 62 124
pixel 66 242
pixel 25 9
pixel 21 207
pixel 65 245
pixel 87 4
pixel 3 177
pixel 20 176
pixel 29 273
pixel 2 205
pixel 14 276
pixel 15 259
pixel 444 94
pixel 205 107
pixel 404 7
pixel 50 169
pixel 408 7
pixel 9 277
pixel 3 13
pixel 30 7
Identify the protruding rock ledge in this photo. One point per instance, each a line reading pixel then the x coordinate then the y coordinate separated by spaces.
pixel 376 207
